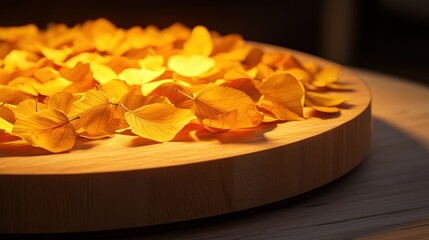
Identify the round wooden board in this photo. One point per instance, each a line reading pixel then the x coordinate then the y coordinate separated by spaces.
pixel 127 182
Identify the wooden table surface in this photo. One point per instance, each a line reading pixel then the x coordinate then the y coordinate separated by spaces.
pixel 387 196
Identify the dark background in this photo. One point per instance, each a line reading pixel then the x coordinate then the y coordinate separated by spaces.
pixel 384 35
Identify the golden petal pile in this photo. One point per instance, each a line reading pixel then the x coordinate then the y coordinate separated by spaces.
pixel 96 80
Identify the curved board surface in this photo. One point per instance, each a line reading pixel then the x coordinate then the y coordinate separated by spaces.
pixel 127 182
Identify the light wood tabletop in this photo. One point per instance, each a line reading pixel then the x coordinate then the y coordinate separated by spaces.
pixel 387 196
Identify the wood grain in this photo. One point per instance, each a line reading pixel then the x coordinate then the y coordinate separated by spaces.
pixel 418 230
pixel 385 197
pixel 126 182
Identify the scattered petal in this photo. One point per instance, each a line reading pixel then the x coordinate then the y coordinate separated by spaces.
pixel 115 89
pixel 7 119
pixel 254 56
pixel 80 75
pixel 28 107
pixel 227 43
pixel 326 76
pixel 322 99
pixel 282 95
pixel 226 108
pixel 174 92
pixel 340 87
pixel 151 80
pixel 200 42
pixel 45 74
pixel 12 95
pixel 5 126
pixel 62 101
pixel 300 74
pixel 190 66
pixel 51 87
pixel 324 109
pixel 134 76
pixel 152 62
pixel 93 111
pixel 56 55
pixel 102 73
pixel 159 122
pixel 49 129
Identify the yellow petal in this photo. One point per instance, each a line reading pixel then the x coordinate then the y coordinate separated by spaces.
pixel 300 74
pixel 152 62
pixel 7 113
pixel 7 118
pixel 340 87
pixel 12 95
pixel 238 54
pixel 102 73
pixel 51 87
pixel 240 79
pixel 325 100
pixel 321 108
pixel 27 85
pixel 288 61
pixel 49 129
pixel 227 43
pixel 263 72
pixel 159 122
pixel 76 73
pixel 210 76
pixel 5 76
pixel 115 88
pixel 190 66
pixel 119 64
pixel 134 76
pixel 326 109
pixel 173 91
pixel 179 32
pixel 279 111
pixel 149 87
pixel 91 99
pixel 133 99
pixel 19 59
pixel 46 74
pixel 62 101
pixel 226 108
pixel 311 67
pixel 85 57
pixel 252 72
pixel 94 111
pixel 326 76
pixel 5 126
pixel 13 34
pixel 269 118
pixel 98 26
pixel 56 55
pixel 254 56
pixel 80 75
pixel 109 42
pixel 200 42
pixel 28 107
pixel 245 85
pixel 285 91
pixel 237 73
